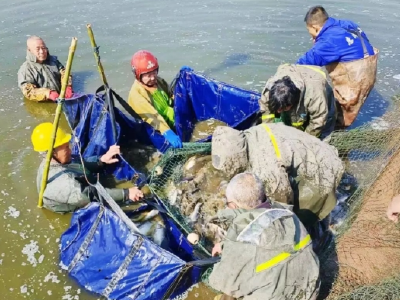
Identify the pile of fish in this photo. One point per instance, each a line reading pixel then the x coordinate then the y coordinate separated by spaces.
pixel 198 195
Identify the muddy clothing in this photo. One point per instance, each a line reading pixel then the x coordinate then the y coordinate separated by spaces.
pixel 316 111
pixel 352 82
pixel 351 62
pixel 297 168
pixel 267 254
pixel 67 189
pixel 155 109
pixel 36 80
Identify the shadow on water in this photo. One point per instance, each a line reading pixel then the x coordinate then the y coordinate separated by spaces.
pixel 232 60
pixel 80 78
pixel 374 107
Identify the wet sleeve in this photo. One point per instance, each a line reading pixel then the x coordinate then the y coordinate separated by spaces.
pixel 278 188
pixel 28 86
pixel 147 112
pixel 317 108
pixel 93 164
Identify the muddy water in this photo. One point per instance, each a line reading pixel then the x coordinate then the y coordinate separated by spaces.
pixel 240 42
pixel 204 129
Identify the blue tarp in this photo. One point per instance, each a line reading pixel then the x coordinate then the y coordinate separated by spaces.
pixel 105 257
pixel 98 250
pixel 198 98
pixel 91 122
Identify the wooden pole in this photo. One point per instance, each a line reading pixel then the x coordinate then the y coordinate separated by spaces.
pixel 108 94
pixel 64 84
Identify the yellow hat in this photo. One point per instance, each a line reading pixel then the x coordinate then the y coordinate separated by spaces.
pixel 41 137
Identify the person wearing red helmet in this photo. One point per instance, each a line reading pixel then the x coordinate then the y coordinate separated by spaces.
pixel 150 97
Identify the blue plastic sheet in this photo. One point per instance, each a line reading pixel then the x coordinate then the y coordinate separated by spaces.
pixel 105 257
pixel 198 98
pixel 91 122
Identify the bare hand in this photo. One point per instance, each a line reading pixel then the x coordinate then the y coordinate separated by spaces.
pixel 108 158
pixel 393 210
pixel 216 250
pixel 135 194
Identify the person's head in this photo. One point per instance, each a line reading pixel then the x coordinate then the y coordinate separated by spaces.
pixel 315 20
pixel 229 150
pixel 145 67
pixel 245 190
pixel 37 47
pixel 283 95
pixel 41 137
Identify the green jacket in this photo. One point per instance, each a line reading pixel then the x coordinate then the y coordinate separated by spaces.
pixel 67 189
pixel 316 111
pixel 267 254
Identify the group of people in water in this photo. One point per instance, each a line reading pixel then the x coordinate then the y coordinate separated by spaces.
pixel 283 175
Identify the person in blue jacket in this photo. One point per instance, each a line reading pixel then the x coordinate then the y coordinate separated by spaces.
pixel 351 61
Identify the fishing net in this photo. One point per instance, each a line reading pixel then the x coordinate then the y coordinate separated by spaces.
pixel 364 259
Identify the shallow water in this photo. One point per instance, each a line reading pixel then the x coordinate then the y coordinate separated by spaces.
pixel 237 41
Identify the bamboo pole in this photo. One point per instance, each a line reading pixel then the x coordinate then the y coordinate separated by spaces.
pixel 64 84
pixel 109 98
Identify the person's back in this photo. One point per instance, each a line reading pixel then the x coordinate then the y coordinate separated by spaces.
pixel 296 167
pixel 302 97
pixel 264 257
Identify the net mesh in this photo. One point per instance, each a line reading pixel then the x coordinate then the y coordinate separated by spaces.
pixel 363 262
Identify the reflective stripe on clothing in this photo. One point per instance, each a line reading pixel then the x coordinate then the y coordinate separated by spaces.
pixel 316 69
pixel 273 140
pixel 268 117
pixel 284 255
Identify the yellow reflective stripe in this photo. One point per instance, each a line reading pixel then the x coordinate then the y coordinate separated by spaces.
pixel 298 124
pixel 316 70
pixel 266 117
pixel 282 256
pixel 273 140
pixel 304 242
pixel 272 262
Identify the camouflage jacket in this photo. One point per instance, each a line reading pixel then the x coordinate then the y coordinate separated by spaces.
pixel 36 80
pixel 316 110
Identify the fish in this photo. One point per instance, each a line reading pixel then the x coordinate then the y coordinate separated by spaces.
pixel 203 129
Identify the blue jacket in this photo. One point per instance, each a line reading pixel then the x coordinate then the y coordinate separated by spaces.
pixel 335 43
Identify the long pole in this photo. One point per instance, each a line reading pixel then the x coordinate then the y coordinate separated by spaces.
pixel 64 83
pixel 109 97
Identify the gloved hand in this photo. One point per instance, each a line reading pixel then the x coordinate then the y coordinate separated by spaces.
pixel 173 139
pixel 68 92
pixel 53 95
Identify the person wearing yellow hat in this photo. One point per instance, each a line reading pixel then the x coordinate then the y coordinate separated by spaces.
pixel 67 189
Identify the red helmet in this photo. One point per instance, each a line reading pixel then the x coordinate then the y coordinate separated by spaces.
pixel 143 62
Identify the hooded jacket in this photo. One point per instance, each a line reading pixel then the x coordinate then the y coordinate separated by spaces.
pixel 296 168
pixel 267 254
pixel 316 111
pixel 36 80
